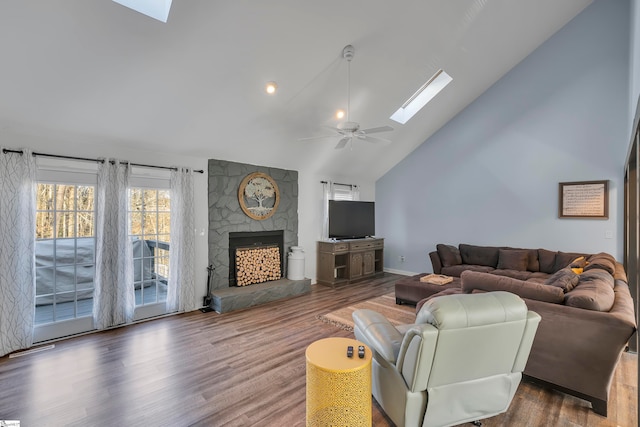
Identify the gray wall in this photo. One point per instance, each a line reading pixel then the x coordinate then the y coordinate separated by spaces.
pixel 225 214
pixel 490 176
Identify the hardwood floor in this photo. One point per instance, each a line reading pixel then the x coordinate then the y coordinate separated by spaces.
pixel 244 368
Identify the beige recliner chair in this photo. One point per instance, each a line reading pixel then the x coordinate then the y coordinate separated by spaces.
pixel 461 362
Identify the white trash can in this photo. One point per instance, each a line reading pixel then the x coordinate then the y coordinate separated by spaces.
pixel 295 263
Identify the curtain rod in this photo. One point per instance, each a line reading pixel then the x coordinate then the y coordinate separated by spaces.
pixel 338 183
pixel 86 159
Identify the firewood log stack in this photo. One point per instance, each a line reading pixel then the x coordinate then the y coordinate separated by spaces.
pixel 257 264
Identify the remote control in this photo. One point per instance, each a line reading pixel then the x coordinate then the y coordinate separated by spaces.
pixel 350 351
pixel 361 351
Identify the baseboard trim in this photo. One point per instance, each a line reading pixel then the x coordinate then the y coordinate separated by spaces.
pixel 401 272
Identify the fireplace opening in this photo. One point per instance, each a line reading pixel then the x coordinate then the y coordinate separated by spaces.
pixel 257 253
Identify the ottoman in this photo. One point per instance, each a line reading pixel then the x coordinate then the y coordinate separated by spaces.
pixel 410 290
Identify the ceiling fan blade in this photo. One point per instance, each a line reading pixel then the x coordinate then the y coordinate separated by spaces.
pixel 311 138
pixel 378 129
pixel 374 139
pixel 343 142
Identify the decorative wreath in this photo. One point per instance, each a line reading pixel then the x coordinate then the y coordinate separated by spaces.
pixel 258 195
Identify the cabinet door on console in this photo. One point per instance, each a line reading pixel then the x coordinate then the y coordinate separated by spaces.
pixel 356 265
pixel 368 263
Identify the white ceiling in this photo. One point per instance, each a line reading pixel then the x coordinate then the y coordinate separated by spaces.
pixel 93 71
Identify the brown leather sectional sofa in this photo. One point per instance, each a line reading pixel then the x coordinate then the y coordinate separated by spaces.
pixel 583 299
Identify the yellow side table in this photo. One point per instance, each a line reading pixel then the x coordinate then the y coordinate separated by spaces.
pixel 338 387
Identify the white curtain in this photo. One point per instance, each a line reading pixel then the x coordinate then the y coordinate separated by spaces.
pixel 326 196
pixel 355 191
pixel 17 250
pixel 114 298
pixel 181 289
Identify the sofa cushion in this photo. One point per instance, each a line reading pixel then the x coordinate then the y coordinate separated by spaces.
pixel 593 292
pixel 566 279
pixel 456 270
pixel 513 259
pixel 602 261
pixel 534 263
pixel 514 274
pixel 449 255
pixel 479 255
pixel 564 259
pixel 547 260
pixel 471 280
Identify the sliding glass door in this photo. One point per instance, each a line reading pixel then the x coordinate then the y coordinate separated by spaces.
pixel 65 259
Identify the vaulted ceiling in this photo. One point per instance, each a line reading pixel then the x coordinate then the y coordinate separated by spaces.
pixel 95 72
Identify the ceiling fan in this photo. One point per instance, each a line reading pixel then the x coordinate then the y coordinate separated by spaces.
pixel 349 130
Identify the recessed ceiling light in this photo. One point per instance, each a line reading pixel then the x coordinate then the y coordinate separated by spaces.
pixel 271 88
pixel 422 96
pixel 339 114
pixel 156 9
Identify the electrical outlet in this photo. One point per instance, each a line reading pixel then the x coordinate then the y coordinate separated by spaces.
pixel 401 257
pixel 608 234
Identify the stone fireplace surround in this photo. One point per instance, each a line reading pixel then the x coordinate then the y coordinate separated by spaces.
pixel 226 216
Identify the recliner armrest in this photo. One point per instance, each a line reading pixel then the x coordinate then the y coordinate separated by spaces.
pixel 378 333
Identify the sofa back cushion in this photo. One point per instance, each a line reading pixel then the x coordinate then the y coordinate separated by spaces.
pixel 449 255
pixel 533 264
pixel 479 255
pixel 602 261
pixel 513 259
pixel 547 261
pixel 593 292
pixel 471 280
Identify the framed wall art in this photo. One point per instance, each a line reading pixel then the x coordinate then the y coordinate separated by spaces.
pixel 258 195
pixel 584 199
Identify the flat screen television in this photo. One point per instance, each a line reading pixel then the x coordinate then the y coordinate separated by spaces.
pixel 351 219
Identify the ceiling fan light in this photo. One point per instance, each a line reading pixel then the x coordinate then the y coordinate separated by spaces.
pixel 421 97
pixel 340 114
pixel 271 88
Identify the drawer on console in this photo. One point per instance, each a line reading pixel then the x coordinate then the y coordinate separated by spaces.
pixel 361 245
pixel 341 247
pixel 333 247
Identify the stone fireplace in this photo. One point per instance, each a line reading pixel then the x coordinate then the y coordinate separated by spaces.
pixel 227 221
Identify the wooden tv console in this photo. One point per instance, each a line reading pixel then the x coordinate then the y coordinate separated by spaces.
pixel 347 261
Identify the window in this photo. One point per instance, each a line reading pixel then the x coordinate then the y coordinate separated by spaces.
pixel 345 192
pixel 65 251
pixel 150 221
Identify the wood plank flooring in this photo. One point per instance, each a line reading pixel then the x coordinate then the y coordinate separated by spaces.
pixel 244 368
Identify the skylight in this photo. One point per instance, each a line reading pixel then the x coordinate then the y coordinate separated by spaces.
pixel 156 9
pixel 423 95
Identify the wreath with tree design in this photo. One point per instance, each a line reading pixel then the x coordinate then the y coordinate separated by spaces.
pixel 258 195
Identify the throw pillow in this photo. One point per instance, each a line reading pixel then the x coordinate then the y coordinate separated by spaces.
pixel 602 261
pixel 579 262
pixel 594 291
pixel 471 281
pixel 565 279
pixel 513 259
pixel 533 265
pixel 449 255
pixel 479 255
pixel 563 259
